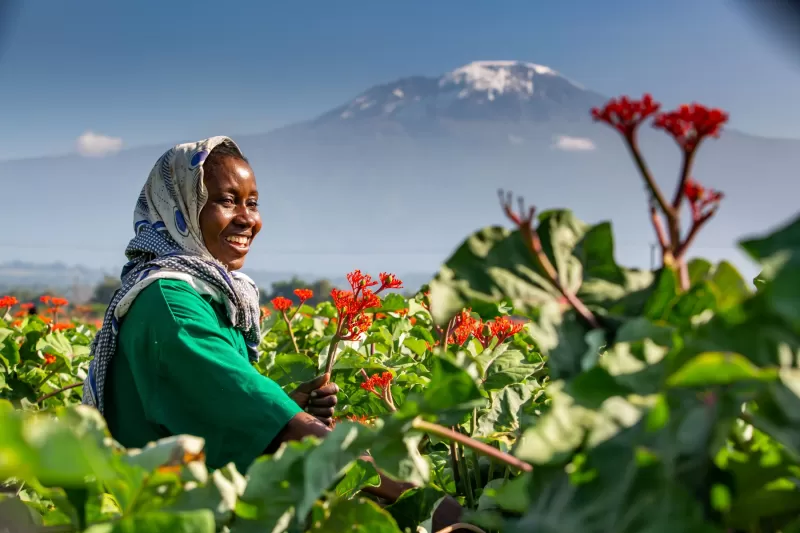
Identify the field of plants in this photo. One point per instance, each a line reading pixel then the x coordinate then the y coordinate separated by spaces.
pixel 537 382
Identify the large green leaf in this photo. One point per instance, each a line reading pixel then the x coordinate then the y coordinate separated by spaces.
pixel 495 264
pixel 359 516
pixel 199 521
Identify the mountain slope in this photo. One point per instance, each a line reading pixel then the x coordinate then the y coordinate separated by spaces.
pixel 395 178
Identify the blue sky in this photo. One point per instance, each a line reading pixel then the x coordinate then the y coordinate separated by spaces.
pixel 153 72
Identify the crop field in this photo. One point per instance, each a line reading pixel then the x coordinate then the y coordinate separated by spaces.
pixel 534 380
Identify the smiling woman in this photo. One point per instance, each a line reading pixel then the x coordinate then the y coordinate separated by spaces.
pixel 230 219
pixel 175 353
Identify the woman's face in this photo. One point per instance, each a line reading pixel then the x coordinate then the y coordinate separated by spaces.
pixel 229 220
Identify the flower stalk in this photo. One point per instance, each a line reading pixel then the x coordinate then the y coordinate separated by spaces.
pixel 688 125
pixel 524 221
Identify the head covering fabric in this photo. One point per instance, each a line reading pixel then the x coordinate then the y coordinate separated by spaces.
pixel 168 244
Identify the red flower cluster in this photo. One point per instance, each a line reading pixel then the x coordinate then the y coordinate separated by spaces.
pixel 63 326
pixel 54 301
pixel 304 294
pixel 27 306
pixel 8 302
pixel 467 326
pixel 382 381
pixel 689 124
pixel 353 304
pixel 281 304
pixel 699 197
pixel 626 114
pixel 265 312
pixel 49 359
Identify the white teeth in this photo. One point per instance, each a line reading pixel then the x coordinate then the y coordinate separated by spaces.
pixel 237 239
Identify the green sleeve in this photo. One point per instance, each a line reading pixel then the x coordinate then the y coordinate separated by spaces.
pixel 194 379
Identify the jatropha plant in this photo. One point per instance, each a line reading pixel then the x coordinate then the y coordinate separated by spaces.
pixel 688 125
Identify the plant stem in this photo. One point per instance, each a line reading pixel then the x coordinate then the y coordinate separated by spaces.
pixel 51 394
pixel 686 167
pixel 449 434
pixel 332 354
pixel 531 238
pixel 462 461
pixel 472 429
pixel 454 464
pixel 291 333
pixel 655 191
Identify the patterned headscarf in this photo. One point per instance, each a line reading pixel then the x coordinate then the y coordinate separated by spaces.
pixel 168 244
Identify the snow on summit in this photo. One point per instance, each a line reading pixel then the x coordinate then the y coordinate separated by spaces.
pixel 496 77
pixel 481 90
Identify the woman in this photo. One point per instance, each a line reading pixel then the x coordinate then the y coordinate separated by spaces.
pixel 175 353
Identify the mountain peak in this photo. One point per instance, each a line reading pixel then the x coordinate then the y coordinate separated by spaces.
pixel 481 90
pixel 497 77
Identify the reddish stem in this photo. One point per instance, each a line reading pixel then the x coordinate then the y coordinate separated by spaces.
pixel 475 445
pixel 531 238
pixel 697 224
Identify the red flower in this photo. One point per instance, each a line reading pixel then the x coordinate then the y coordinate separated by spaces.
pixel 281 304
pixel 45 299
pixel 16 323
pixel 304 294
pixel 61 326
pixel 26 306
pixel 503 327
pixel 690 124
pixel 699 197
pixel 20 314
pixel 8 302
pixel 359 281
pixel 361 419
pixel 382 381
pixel 58 302
pixel 625 114
pixel 389 281
pixel 467 326
pixel 265 312
pixel 413 320
pixel 49 359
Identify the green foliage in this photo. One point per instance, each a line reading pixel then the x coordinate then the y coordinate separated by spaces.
pixel 680 413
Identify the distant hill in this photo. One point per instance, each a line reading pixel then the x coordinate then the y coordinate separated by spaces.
pixel 407 169
pixel 77 281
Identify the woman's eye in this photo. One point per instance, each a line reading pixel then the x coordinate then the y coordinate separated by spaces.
pixel 252 204
pixel 227 201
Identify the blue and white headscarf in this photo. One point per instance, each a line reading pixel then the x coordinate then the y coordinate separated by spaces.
pixel 168 244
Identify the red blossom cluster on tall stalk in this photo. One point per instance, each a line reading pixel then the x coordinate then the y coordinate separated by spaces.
pixel 688 125
pixel 283 304
pixel 352 307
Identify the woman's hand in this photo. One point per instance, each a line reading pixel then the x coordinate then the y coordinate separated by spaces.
pixel 318 398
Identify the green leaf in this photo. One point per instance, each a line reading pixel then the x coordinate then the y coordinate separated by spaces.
pixel 417 346
pixel 507 369
pixel 718 368
pixel 362 474
pixel 326 463
pixel 415 506
pixel 198 521
pixel 359 516
pixel 503 413
pixel 393 302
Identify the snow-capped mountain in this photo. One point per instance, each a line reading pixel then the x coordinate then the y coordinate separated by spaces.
pixel 483 90
pixel 404 170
